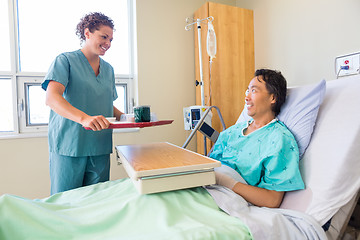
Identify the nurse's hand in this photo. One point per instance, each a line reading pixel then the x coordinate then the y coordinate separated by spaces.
pixel 96 123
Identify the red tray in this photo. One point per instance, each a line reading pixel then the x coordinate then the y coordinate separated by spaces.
pixel 137 125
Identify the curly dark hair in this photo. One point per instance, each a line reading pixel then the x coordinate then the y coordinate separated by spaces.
pixel 92 21
pixel 276 84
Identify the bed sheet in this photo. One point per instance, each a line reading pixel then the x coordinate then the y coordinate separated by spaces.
pixel 267 223
pixel 115 210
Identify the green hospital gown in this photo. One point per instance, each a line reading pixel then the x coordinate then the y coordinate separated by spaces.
pixel 266 158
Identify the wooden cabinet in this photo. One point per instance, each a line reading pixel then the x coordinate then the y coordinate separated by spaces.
pixel 234 65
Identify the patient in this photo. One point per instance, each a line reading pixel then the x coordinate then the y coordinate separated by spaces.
pixel 263 151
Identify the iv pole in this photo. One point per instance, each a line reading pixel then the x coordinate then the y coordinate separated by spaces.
pixel 187 28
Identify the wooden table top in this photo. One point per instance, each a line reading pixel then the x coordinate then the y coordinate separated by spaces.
pixel 162 158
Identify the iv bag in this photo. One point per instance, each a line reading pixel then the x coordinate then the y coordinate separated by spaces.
pixel 211 41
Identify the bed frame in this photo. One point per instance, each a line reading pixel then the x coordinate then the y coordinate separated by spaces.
pixel 341 219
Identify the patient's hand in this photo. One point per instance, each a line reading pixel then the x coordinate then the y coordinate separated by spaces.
pixel 257 196
pixel 225 180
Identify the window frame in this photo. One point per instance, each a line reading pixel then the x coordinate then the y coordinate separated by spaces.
pixel 21 79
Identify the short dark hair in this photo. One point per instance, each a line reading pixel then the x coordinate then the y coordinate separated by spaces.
pixel 276 84
pixel 93 21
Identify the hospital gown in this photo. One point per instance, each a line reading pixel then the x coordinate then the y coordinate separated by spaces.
pixel 266 158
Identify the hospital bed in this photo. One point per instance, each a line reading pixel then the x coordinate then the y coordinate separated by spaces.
pixel 115 210
pixel 331 164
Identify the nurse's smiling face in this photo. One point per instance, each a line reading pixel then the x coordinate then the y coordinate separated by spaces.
pixel 258 99
pixel 99 41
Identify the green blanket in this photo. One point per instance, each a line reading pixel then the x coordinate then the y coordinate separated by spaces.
pixel 114 210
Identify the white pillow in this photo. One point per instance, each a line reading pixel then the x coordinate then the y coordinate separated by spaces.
pixel 299 112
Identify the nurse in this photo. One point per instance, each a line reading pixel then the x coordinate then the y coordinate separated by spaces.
pixel 262 151
pixel 80 90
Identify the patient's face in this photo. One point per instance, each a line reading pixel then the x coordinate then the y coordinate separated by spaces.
pixel 258 99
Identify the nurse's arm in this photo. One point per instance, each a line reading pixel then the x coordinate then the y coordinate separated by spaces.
pixel 259 196
pixel 56 101
pixel 117 113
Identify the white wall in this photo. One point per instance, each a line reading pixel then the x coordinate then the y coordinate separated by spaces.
pixel 166 77
pixel 302 38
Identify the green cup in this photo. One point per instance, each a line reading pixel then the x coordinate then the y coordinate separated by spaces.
pixel 142 113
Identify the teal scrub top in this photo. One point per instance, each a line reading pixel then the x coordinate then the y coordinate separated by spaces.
pixel 266 158
pixel 91 94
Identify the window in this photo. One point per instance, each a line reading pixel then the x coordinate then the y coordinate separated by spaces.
pixel 6 106
pixel 4 41
pixel 121 101
pixel 39 30
pixel 37 113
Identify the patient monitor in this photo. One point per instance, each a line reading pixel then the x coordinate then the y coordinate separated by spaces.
pixel 193 114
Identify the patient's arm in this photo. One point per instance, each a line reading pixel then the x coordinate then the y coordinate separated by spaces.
pixel 258 196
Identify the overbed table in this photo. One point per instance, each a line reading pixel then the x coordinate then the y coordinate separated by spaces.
pixel 158 167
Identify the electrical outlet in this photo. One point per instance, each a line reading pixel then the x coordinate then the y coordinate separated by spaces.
pixel 347 65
